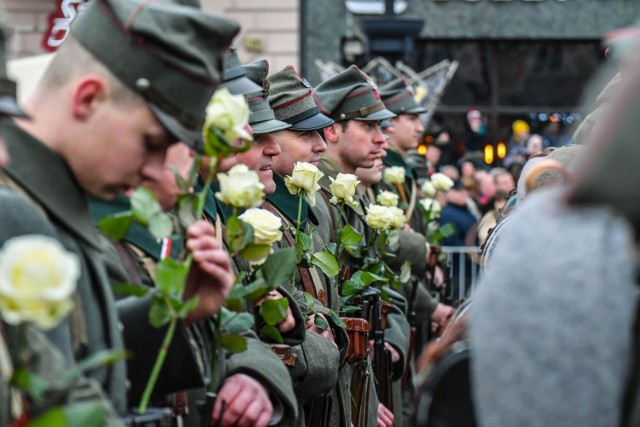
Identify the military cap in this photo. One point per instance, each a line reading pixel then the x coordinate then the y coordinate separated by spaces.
pixel 290 96
pixel 351 95
pixel 8 90
pixel 398 97
pixel 169 54
pixel 262 118
pixel 235 75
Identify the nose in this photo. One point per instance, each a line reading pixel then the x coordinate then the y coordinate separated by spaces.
pixel 319 146
pixel 153 167
pixel 271 148
pixel 378 136
pixel 419 127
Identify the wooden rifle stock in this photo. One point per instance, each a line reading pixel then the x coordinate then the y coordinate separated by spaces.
pixel 381 360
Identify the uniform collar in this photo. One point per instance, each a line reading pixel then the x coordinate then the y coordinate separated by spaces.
pixel 287 204
pixel 137 234
pixel 47 178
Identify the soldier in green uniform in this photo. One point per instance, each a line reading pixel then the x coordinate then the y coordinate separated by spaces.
pixel 131 79
pixel 404 134
pixel 323 351
pixel 355 140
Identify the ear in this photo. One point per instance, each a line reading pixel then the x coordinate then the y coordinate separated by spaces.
pixel 88 93
pixel 332 132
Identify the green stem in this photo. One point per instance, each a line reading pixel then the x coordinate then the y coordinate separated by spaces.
pixel 299 214
pixel 202 197
pixel 214 353
pixel 144 401
pixel 338 229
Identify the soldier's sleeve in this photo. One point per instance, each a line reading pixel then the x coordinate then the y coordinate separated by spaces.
pixel 259 362
pixel 316 368
pixel 398 331
pixel 410 247
pixel 297 335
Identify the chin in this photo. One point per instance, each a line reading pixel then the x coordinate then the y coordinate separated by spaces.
pixel 269 187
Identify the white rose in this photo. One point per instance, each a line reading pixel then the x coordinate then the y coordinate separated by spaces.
pixel 305 177
pixel 428 189
pixel 398 217
pixel 229 113
pixel 394 175
pixel 432 206
pixel 266 226
pixel 343 188
pixel 378 217
pixel 38 277
pixel 240 187
pixel 387 198
pixel 441 182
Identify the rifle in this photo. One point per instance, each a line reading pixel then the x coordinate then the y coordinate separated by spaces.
pixel 411 318
pixel 381 360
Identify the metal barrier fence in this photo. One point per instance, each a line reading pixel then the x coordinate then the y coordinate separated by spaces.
pixel 462 264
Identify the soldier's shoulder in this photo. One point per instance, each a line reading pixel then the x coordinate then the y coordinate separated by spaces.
pixel 21 216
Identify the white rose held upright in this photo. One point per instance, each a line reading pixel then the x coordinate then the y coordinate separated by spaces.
pixel 305 178
pixel 343 188
pixel 394 175
pixel 240 187
pixel 387 198
pixel 229 113
pixel 441 182
pixel 267 228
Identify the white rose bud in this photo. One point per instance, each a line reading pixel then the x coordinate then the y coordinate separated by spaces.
pixel 229 113
pixel 343 188
pixel 38 277
pixel 441 182
pixel 305 178
pixel 394 175
pixel 266 226
pixel 428 189
pixel 387 198
pixel 378 217
pixel 398 217
pixel 240 187
pixel 432 206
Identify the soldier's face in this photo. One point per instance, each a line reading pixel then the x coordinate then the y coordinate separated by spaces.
pixel 164 185
pixel 260 159
pixel 297 146
pixel 372 175
pixel 124 146
pixel 361 143
pixel 406 131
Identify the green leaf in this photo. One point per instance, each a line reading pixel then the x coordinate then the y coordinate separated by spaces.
pixel 188 307
pixel 303 243
pixel 405 272
pixel 274 311
pixel 279 267
pixel 144 205
pixel 34 386
pixel 52 418
pixel 256 289
pixel 131 290
pixel 308 299
pixel 185 209
pixel 236 323
pixel 320 322
pixel 349 236
pixel 255 252
pixel 115 227
pixel 271 332
pixel 337 320
pixel 161 225
pixel 238 234
pixel 234 343
pixel 330 247
pixel 448 229
pixel 160 314
pixel 348 309
pixel 171 276
pixel 369 278
pixel 326 262
pixel 354 285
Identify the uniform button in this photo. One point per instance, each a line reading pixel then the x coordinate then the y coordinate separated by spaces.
pixel 127 384
pixel 121 326
pixel 143 84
